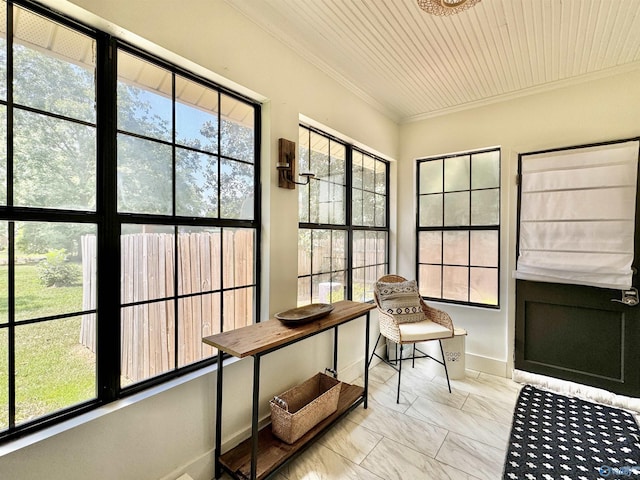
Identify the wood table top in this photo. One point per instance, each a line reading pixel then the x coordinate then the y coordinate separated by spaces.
pixel 266 336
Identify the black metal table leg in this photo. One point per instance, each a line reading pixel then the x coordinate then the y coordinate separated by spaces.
pixel 254 417
pixel 366 365
pixel 335 349
pixel 218 467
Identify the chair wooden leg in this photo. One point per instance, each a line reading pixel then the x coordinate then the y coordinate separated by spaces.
pixel 444 363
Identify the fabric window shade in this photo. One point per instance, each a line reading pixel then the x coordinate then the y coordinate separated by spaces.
pixel 577 215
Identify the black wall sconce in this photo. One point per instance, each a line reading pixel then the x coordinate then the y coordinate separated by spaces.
pixel 287 165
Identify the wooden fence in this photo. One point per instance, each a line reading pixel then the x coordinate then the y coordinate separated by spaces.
pixel 148 339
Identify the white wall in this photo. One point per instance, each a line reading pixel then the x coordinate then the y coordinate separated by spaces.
pixel 172 431
pixel 600 110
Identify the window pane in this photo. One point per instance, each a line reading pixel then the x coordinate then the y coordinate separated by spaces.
pixel 321 286
pixel 485 207
pixel 199 254
pixel 336 204
pixel 321 251
pixel 54 162
pixel 338 286
pixel 146 262
pixel 304 252
pixel 304 150
pixel 196 115
pixel 339 250
pixel 337 165
pixel 236 194
pixel 484 248
pixel 148 341
pixel 371 277
pixel 430 247
pixel 237 135
pixel 304 291
pixel 144 98
pixel 3 153
pixel 456 209
pixel 53 370
pixel 359 249
pixel 430 278
pixel 4 273
pixel 54 76
pixel 238 308
pixel 357 160
pixel 369 174
pixel 368 208
pixel 456 173
pixel 430 176
pixel 237 254
pixel 3 52
pixel 381 177
pixel 314 202
pixel 381 214
pixel 486 170
pixel 382 248
pixel 455 248
pixel 4 379
pixel 359 284
pixel 319 156
pixel 484 286
pixel 303 203
pixel 54 274
pixel 196 184
pixel 198 316
pixel 144 176
pixel 357 214
pixel 431 210
pixel 455 283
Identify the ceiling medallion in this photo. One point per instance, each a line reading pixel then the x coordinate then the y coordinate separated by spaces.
pixel 445 7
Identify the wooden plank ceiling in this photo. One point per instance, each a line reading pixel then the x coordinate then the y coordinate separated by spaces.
pixel 412 65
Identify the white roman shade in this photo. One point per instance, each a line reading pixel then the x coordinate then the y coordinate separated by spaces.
pixel 577 215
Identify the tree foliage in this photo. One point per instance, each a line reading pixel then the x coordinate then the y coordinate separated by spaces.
pixel 54 162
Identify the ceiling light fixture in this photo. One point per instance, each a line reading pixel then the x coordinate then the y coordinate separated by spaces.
pixel 445 7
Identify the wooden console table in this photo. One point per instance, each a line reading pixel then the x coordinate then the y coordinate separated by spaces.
pixel 262 455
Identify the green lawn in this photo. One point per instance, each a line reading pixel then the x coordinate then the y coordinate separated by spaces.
pixel 53 370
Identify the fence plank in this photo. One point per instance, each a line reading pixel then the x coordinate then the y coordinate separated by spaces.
pixel 147 266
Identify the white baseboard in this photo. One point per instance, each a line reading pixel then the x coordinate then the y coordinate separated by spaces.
pixel 488 365
pixel 200 468
pixel 355 370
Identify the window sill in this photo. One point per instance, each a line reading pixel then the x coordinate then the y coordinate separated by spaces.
pixel 52 431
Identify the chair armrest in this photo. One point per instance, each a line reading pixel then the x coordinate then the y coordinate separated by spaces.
pixel 438 316
pixel 389 326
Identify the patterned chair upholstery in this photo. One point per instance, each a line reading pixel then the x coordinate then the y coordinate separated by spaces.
pixel 406 319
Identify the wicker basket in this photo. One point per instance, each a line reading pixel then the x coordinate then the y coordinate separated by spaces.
pixel 298 410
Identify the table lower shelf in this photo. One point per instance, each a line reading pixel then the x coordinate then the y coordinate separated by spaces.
pixel 273 452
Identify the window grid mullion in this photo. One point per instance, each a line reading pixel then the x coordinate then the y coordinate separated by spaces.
pixel 11 226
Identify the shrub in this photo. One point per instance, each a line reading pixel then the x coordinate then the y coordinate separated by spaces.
pixel 55 271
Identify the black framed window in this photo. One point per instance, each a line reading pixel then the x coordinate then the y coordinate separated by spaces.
pixel 458 228
pixel 109 153
pixel 343 212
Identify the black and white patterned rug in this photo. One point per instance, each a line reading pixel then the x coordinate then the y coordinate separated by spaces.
pixel 554 437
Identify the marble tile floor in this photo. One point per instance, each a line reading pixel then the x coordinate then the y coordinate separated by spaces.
pixel 431 434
